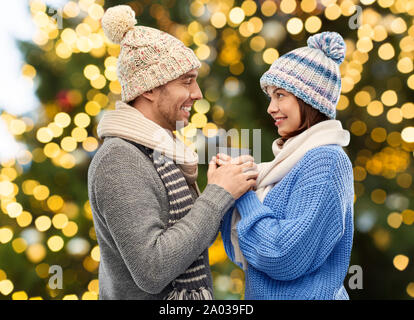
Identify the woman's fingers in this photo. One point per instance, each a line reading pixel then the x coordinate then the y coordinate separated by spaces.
pixel 223 159
pixel 223 156
pixel 242 159
pixel 252 175
pixel 249 166
pixel 221 162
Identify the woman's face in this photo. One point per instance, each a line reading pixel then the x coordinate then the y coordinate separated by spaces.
pixel 283 104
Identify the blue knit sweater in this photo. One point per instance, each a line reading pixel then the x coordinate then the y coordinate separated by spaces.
pixel 298 242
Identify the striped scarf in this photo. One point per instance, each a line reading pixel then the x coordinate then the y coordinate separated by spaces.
pixel 193 283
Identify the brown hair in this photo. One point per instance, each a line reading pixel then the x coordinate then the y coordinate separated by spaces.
pixel 309 116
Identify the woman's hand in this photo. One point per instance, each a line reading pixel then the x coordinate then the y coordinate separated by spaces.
pixel 223 159
pixel 236 179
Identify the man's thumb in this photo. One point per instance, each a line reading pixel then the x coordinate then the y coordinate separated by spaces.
pixel 212 166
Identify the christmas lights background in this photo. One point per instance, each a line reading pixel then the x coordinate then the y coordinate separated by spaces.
pixel 45 216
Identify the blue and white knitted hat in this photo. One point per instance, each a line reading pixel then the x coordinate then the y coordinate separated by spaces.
pixel 311 73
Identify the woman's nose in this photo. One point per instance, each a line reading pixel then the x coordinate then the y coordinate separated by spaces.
pixel 272 108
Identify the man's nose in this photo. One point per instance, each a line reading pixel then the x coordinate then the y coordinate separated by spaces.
pixel 196 93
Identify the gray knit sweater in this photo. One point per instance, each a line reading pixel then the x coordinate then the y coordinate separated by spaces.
pixel 139 256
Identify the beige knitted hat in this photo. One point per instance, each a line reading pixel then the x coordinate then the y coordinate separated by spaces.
pixel 149 57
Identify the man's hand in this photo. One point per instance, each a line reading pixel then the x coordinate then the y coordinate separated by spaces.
pixel 223 159
pixel 236 179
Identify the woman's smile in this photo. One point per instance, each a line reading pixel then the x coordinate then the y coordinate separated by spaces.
pixel 279 121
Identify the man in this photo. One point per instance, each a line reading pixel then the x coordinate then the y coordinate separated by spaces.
pixel 153 227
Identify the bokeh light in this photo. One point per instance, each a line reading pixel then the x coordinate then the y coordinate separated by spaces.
pixel 73 67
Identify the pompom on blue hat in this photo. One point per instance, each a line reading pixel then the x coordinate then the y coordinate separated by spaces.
pixel 311 73
pixel 331 44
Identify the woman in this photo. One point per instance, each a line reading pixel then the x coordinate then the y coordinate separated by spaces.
pixel 293 235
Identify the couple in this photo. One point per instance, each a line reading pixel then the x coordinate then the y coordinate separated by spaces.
pixel 288 222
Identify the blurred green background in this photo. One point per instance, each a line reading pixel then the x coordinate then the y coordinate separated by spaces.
pixel 45 216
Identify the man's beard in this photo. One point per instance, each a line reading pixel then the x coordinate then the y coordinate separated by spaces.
pixel 170 118
pixel 171 114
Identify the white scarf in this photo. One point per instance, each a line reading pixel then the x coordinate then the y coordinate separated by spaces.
pixel 129 123
pixel 286 157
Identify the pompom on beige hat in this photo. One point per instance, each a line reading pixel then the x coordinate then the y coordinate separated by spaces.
pixel 149 58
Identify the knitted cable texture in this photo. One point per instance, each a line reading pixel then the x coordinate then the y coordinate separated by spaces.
pixel 311 73
pixel 148 57
pixel 298 242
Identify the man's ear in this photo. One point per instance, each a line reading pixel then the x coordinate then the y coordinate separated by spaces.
pixel 149 95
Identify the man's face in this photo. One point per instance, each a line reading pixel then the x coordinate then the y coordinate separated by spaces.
pixel 176 98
